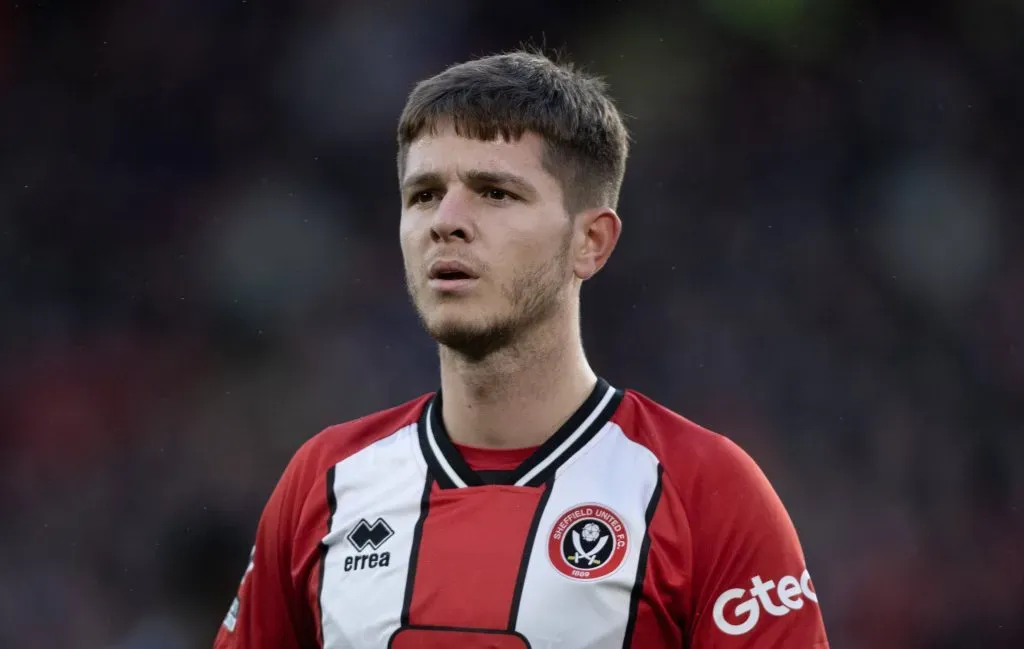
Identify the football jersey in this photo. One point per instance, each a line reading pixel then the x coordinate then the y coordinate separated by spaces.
pixel 630 527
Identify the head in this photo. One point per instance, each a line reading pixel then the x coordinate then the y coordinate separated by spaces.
pixel 509 168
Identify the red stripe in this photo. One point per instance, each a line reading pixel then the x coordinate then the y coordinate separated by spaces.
pixel 470 551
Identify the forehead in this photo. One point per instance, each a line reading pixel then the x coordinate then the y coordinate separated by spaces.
pixel 445 152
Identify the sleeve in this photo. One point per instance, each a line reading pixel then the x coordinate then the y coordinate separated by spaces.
pixel 751 587
pixel 272 609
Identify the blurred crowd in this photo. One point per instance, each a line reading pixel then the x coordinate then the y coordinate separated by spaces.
pixel 823 259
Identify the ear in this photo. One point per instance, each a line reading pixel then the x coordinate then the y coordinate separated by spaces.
pixel 596 231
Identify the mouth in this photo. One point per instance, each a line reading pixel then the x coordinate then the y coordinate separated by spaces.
pixel 450 276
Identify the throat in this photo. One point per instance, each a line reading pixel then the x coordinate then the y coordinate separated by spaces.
pixel 519 396
pixel 513 412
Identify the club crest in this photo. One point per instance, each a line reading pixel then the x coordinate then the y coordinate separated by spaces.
pixel 588 542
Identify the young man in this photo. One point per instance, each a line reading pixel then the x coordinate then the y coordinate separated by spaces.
pixel 527 503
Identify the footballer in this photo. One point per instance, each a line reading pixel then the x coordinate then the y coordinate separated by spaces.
pixel 528 501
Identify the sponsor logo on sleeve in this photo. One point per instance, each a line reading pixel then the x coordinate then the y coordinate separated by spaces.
pixel 737 610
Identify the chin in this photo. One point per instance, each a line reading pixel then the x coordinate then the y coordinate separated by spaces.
pixel 471 337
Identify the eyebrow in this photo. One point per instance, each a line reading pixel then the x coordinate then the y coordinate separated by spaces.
pixel 473 178
pixel 422 179
pixel 501 178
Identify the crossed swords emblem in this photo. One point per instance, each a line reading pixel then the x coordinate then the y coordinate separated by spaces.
pixel 589 557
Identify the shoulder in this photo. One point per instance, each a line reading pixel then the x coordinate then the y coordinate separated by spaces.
pixel 691 455
pixel 673 438
pixel 340 441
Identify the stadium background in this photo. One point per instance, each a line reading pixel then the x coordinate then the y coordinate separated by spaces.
pixel 823 258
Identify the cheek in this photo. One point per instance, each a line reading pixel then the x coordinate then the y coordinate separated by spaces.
pixel 404 228
pixel 407 236
pixel 531 236
pixel 536 248
pixel 525 265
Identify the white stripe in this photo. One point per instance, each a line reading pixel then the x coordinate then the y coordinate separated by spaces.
pixel 452 475
pixel 621 475
pixel 576 434
pixel 362 605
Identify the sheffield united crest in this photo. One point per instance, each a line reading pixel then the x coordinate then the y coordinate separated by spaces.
pixel 588 542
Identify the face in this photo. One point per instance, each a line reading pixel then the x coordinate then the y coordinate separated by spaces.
pixel 485 238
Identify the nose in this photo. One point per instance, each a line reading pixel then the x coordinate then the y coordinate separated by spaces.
pixel 452 219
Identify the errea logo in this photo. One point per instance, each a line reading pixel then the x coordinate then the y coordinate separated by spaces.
pixel 790 592
pixel 363 536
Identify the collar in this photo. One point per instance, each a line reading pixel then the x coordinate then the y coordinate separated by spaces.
pixel 451 471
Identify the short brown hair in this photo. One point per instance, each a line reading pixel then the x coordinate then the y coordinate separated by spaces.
pixel 509 94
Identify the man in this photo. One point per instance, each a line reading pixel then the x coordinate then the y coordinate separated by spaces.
pixel 528 503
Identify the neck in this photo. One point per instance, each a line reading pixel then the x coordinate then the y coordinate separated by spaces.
pixel 516 397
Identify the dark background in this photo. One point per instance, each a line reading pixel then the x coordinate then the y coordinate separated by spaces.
pixel 823 258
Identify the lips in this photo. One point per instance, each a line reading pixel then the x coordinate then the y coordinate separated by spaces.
pixel 450 271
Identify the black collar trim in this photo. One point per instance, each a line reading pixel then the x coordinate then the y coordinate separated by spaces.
pixel 451 471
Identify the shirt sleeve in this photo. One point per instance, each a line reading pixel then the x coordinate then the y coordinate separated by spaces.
pixel 272 609
pixel 751 586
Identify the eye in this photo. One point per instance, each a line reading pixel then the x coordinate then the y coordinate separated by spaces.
pixel 496 194
pixel 421 197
